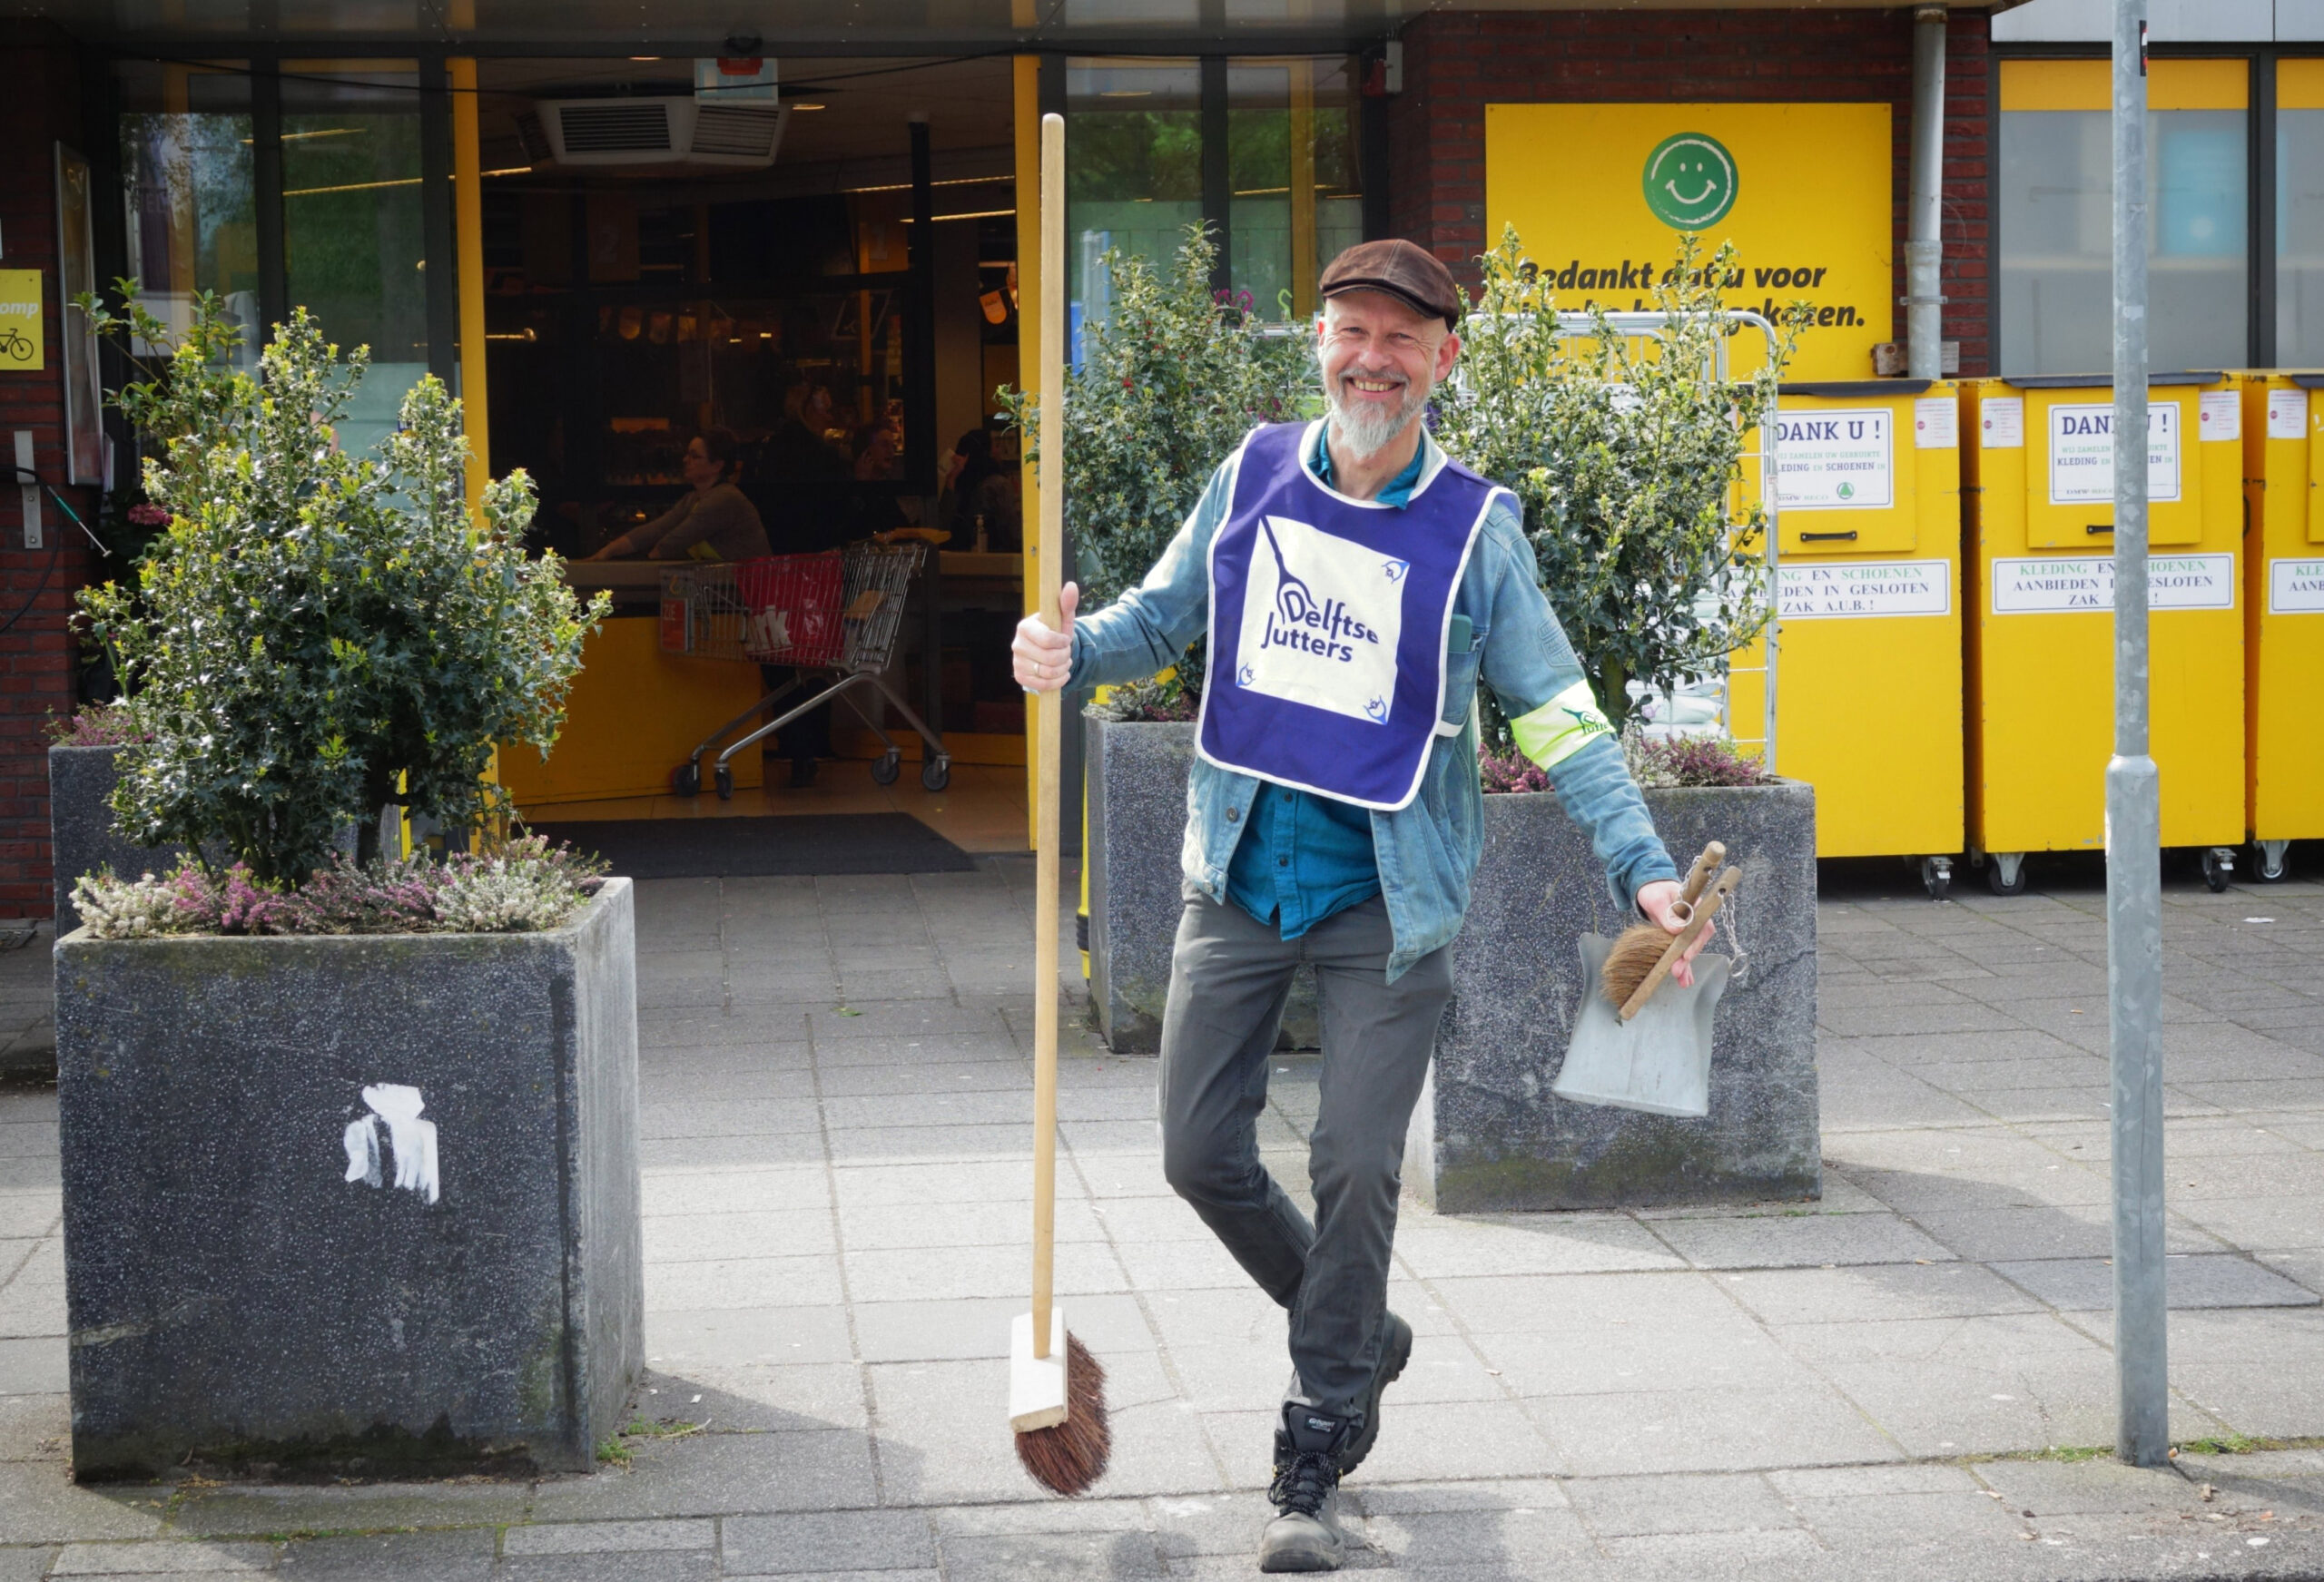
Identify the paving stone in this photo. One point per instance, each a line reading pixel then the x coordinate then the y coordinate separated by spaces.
pixel 792 1397
pixel 1718 1502
pixel 720 1474
pixel 607 1538
pixel 1002 1224
pixel 2100 1486
pixel 711 1153
pixel 1877 1290
pixel 796 1188
pixel 1437 1248
pixel 2190 1281
pixel 672 1238
pixel 1799 1241
pixel 865 1541
pixel 40 1504
pixel 32 1365
pixel 171 1555
pixel 1526 1542
pixel 24 1565
pixel 1082 1556
pixel 2052 1230
pixel 662 1566
pixel 908 1331
pixel 740 1337
pixel 463 1555
pixel 1707 1430
pixel 245 1510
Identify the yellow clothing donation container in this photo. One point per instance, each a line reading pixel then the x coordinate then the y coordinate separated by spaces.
pixel 2041 507
pixel 2283 611
pixel 1869 573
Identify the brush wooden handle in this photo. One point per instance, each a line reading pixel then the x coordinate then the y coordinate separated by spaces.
pixel 1700 875
pixel 1049 719
pixel 1681 941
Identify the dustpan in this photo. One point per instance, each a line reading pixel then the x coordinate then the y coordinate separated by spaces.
pixel 1660 1060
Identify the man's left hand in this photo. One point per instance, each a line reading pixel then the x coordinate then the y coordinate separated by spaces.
pixel 1660 902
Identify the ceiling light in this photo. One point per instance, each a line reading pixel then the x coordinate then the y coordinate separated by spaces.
pixel 795 105
pixel 1127 94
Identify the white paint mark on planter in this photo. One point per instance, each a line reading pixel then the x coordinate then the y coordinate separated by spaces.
pixel 411 1140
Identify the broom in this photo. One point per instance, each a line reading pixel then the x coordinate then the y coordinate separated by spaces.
pixel 1056 1391
pixel 1642 955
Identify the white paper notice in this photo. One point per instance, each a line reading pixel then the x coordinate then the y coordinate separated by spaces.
pixel 2081 454
pixel 2084 584
pixel 1834 459
pixel 2296 587
pixel 2001 423
pixel 1866 588
pixel 2286 414
pixel 2219 415
pixel 1937 423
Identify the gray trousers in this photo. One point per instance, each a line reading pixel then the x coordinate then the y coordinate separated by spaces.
pixel 1230 977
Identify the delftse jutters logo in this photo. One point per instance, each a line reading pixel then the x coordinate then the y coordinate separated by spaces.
pixel 1689 181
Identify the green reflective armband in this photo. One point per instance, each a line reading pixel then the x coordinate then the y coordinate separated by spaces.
pixel 1561 727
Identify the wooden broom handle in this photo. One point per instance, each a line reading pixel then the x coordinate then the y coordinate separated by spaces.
pixel 1681 941
pixel 1048 722
pixel 1700 874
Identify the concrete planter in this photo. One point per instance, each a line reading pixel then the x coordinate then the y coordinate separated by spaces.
pixel 1490 1136
pixel 1137 831
pixel 82 837
pixel 372 1196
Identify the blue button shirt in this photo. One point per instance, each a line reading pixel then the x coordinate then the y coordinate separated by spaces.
pixel 1302 856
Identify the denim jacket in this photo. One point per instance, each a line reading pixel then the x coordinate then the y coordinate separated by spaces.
pixel 1427 849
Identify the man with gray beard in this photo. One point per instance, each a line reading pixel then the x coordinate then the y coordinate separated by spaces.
pixel 1356 584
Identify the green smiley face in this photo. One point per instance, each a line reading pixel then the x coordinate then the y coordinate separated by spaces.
pixel 1689 181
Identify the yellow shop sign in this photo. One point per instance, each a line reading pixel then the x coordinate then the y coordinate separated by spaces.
pixel 22 345
pixel 1599 194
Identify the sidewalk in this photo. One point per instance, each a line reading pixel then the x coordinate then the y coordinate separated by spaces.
pixel 1900 1380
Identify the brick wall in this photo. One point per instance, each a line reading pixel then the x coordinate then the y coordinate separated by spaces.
pixel 41 108
pixel 1457 62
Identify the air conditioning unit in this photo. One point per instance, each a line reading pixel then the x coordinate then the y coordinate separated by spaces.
pixel 652 131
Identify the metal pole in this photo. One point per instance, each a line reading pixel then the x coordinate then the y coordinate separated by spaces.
pixel 1925 201
pixel 2134 816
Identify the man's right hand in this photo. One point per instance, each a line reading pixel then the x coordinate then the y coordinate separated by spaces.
pixel 1044 658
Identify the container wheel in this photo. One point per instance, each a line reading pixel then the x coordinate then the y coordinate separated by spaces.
pixel 936 773
pixel 686 781
pixel 2005 873
pixel 2219 868
pixel 2268 860
pixel 1936 877
pixel 885 768
pixel 724 775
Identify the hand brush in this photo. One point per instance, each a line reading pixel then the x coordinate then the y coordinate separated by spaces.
pixel 1640 951
pixel 1057 1391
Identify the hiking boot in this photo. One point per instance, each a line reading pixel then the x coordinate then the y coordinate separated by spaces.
pixel 1305 1535
pixel 1395 1351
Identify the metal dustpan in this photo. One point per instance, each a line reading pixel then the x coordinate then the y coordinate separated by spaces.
pixel 1660 1060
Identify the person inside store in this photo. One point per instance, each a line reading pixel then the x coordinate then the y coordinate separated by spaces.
pixel 978 495
pixel 805 483
pixel 713 520
pixel 1326 827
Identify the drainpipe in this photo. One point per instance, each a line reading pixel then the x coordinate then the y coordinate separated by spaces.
pixel 1924 199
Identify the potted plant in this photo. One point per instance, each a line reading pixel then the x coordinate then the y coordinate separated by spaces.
pixel 1167 385
pixel 350 1141
pixel 1629 459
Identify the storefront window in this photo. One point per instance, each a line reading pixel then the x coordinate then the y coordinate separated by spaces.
pixel 352 223
pixel 1291 159
pixel 2300 213
pixel 187 197
pixel 1134 172
pixel 2056 216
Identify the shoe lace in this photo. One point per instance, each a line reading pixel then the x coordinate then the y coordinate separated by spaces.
pixel 1302 1483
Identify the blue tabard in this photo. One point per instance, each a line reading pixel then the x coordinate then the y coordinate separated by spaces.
pixel 1328 620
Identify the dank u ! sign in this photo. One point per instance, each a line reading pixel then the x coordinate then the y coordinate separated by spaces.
pixel 1599 194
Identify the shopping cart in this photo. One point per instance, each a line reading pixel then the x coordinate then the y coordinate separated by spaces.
pixel 833 616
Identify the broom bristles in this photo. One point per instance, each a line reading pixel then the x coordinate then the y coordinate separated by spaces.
pixel 1071 1455
pixel 1630 959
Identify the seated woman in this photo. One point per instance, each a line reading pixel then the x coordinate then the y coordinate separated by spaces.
pixel 716 521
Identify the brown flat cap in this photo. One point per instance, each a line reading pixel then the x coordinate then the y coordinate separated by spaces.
pixel 1403 269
